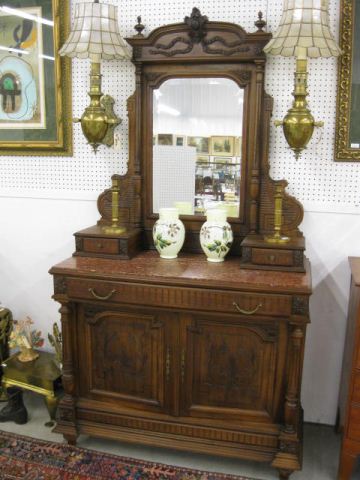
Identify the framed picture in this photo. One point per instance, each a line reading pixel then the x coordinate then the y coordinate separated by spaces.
pixel 222 160
pixel 237 148
pixel 180 141
pixel 222 146
pixel 347 130
pixel 201 144
pixel 35 82
pixel 165 139
pixel 203 159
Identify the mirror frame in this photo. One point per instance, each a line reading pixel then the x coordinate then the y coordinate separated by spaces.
pixel 200 48
pixel 343 151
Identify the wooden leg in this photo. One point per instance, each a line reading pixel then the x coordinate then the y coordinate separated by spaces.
pixel 71 439
pixel 284 474
pixel 346 467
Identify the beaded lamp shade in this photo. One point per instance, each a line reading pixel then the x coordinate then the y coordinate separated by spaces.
pixel 304 31
pixel 95 34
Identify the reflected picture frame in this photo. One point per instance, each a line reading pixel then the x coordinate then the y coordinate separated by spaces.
pixel 348 91
pixel 200 143
pixel 165 139
pixel 35 82
pixel 222 146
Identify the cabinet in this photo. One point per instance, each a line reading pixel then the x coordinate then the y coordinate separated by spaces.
pixel 200 356
pixel 349 400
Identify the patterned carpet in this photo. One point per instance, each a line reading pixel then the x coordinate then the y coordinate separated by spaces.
pixel 27 458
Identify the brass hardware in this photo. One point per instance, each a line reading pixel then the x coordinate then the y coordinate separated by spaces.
pixel 167 364
pixel 182 368
pixel 298 124
pixel 115 190
pixel 98 120
pixel 277 237
pixel 247 312
pixel 99 297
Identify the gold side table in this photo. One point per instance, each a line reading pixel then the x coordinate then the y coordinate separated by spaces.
pixel 42 376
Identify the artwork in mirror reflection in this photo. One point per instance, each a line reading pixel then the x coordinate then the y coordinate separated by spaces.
pixel 197 143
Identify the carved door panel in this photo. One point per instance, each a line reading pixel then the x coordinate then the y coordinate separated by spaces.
pixel 231 369
pixel 123 357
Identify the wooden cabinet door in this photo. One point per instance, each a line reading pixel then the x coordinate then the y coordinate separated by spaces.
pixel 123 357
pixel 231 368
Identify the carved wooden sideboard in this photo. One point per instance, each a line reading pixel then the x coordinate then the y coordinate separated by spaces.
pixel 349 399
pixel 183 353
pixel 197 356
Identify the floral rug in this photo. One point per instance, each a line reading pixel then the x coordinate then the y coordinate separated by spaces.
pixel 25 458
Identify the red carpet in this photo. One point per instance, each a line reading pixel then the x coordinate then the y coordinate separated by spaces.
pixel 27 458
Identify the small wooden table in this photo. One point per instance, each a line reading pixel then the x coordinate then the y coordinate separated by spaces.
pixel 42 376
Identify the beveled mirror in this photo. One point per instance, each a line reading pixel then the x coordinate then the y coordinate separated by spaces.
pixel 197 133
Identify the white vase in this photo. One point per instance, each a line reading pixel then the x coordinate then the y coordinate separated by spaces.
pixel 216 235
pixel 168 233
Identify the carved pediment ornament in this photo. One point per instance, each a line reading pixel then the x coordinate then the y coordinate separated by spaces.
pixel 197 33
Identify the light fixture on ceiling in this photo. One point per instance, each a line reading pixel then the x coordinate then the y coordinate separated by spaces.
pixel 303 33
pixel 95 35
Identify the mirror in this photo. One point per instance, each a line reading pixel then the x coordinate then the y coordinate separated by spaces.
pixel 197 140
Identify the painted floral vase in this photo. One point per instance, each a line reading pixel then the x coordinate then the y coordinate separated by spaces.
pixel 168 233
pixel 216 236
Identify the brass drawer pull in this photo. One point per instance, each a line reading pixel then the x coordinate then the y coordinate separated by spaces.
pixel 99 297
pixel 247 312
pixel 167 363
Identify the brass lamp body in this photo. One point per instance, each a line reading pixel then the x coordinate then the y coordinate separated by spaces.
pixel 98 120
pixel 298 124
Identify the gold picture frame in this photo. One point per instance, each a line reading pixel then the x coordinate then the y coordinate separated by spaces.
pixel 348 93
pixel 200 143
pixel 222 146
pixel 166 139
pixel 36 121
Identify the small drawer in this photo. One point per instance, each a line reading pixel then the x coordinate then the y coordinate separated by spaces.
pixel 268 256
pixel 354 423
pixel 238 303
pixel 101 245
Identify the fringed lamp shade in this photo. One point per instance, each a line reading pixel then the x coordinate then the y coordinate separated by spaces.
pixel 304 31
pixel 95 34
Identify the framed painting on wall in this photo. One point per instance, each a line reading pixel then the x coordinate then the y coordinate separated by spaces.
pixel 35 82
pixel 347 131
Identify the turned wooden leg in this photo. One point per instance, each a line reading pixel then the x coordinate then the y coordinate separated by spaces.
pixel 346 467
pixel 71 439
pixel 284 474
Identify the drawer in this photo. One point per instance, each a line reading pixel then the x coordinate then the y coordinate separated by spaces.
pixel 268 256
pixel 354 423
pixel 101 245
pixel 180 297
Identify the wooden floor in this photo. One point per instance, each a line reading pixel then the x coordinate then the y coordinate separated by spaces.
pixel 321 450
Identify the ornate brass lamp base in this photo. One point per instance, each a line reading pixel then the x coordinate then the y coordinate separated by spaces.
pixel 98 120
pixel 298 124
pixel 276 238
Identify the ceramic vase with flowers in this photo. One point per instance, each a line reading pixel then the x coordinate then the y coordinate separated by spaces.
pixel 168 233
pixel 216 236
pixel 26 338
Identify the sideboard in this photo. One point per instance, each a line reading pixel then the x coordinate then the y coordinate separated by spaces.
pixel 199 356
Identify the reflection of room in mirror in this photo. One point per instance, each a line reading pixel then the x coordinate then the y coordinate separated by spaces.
pixel 200 118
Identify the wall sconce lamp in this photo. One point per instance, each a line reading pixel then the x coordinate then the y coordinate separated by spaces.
pixel 303 32
pixel 95 35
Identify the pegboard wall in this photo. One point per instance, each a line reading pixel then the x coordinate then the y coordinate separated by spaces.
pixel 314 179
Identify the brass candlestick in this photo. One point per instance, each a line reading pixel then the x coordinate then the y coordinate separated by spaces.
pixel 277 237
pixel 115 190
